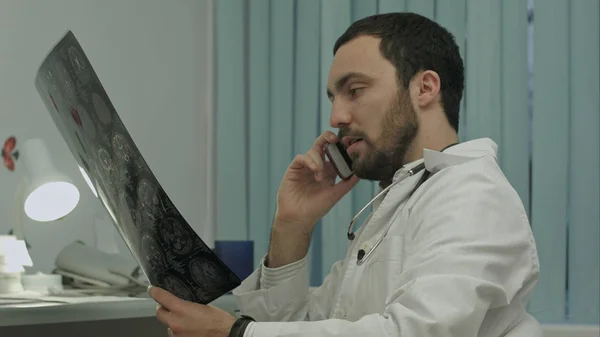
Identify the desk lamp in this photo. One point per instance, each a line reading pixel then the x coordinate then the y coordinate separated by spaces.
pixel 43 193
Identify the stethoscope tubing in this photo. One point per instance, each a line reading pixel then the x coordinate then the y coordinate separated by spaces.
pixel 350 233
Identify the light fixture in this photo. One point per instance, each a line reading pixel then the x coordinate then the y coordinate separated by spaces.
pixel 44 193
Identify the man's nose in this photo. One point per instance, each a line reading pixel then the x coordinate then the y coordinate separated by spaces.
pixel 340 115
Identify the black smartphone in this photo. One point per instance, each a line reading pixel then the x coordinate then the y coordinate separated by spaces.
pixel 339 158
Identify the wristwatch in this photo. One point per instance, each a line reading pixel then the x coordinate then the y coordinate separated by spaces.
pixel 240 325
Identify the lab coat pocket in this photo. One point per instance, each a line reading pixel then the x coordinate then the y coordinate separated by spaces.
pixel 382 273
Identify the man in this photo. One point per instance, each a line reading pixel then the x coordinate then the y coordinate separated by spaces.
pixel 447 251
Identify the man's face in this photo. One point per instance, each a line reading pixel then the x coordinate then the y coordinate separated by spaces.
pixel 375 117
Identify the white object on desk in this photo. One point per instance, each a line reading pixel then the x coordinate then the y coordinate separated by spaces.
pixel 93 264
pixel 42 283
pixel 13 256
pixel 10 283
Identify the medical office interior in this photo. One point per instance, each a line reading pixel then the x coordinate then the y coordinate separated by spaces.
pixel 220 95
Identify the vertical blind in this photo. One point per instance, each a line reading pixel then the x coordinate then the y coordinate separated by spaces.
pixel 273 58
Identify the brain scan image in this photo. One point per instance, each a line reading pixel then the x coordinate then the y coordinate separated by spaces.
pixel 122 150
pixel 65 82
pixel 147 194
pixel 206 274
pixel 178 287
pixel 77 62
pixel 153 254
pixel 83 120
pixel 102 110
pixel 176 236
pixel 129 212
pixel 105 160
pixel 168 250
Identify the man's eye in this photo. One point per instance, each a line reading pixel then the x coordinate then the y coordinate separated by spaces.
pixel 355 91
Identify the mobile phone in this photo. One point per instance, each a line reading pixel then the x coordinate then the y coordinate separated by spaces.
pixel 339 158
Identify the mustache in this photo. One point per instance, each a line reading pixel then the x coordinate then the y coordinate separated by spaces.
pixel 343 132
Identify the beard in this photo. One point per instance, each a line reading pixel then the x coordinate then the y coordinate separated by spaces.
pixel 383 158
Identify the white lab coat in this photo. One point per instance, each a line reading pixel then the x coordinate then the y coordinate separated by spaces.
pixel 458 261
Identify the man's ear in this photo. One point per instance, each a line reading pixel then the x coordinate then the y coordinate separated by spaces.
pixel 426 88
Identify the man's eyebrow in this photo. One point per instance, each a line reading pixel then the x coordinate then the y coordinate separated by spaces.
pixel 341 82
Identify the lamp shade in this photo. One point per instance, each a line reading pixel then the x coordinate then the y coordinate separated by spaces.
pixel 49 194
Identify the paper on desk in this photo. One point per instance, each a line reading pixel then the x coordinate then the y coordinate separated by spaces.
pixel 7 301
pixel 33 297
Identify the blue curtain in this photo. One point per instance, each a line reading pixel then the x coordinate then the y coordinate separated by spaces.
pixel 273 57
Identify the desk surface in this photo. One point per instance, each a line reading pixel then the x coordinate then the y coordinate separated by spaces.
pixel 92 309
pixel 86 309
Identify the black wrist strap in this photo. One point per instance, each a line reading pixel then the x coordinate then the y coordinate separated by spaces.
pixel 240 325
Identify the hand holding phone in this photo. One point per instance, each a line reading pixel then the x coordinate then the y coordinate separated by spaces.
pixel 339 158
pixel 308 190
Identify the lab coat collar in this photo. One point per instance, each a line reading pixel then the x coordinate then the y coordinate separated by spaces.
pixel 459 154
pixel 454 155
pixel 405 186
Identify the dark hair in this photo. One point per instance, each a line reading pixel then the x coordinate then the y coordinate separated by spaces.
pixel 413 43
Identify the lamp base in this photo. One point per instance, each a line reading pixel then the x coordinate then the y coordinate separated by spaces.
pixel 10 283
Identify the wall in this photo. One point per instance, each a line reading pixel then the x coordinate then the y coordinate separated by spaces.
pixel 154 59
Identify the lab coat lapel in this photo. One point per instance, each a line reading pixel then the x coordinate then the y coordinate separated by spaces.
pixel 391 203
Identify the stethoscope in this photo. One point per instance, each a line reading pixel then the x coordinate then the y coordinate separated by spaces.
pixel 362 255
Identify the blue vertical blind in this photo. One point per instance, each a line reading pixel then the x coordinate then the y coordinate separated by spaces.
pixel 273 58
pixel 583 184
pixel 550 141
pixel 565 157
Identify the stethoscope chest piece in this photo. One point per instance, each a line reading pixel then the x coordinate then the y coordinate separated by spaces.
pixel 361 254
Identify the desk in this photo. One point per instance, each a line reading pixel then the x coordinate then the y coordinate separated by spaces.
pixel 90 317
pixel 116 317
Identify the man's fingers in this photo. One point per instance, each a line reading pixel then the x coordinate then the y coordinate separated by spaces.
pixel 322 140
pixel 167 300
pixel 175 322
pixel 162 315
pixel 318 161
pixel 312 160
pixel 302 161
